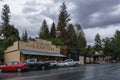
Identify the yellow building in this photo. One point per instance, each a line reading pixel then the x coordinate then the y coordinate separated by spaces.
pixel 40 49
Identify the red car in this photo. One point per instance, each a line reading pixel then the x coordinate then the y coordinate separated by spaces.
pixel 14 66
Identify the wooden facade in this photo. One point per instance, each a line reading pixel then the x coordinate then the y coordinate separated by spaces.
pixel 44 49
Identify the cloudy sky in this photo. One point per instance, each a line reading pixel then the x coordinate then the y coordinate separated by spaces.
pixel 95 16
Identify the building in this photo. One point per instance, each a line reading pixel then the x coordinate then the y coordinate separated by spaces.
pixel 76 55
pixel 40 49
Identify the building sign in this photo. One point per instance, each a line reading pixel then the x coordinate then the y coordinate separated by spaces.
pixel 39 45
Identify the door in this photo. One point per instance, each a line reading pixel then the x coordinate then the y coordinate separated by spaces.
pixel 8 66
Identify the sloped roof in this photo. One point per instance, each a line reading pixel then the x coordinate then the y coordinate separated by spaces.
pixel 31 52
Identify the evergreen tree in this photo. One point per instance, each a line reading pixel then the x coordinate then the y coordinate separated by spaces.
pixel 53 31
pixel 116 45
pixel 10 31
pixel 98 42
pixel 71 37
pixel 107 46
pixel 5 16
pixel 44 32
pixel 81 40
pixel 25 36
pixel 63 20
pixel 112 46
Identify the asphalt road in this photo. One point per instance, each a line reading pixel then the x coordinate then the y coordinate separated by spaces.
pixel 84 72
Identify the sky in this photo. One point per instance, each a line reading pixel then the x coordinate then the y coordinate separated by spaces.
pixel 94 16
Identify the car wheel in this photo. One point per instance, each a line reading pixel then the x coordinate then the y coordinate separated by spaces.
pixel 76 65
pixel 1 70
pixel 19 69
pixel 43 67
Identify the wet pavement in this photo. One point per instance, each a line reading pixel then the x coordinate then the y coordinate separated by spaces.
pixel 84 72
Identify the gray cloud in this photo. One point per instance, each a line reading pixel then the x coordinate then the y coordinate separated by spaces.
pixel 96 15
pixel 1 0
pixel 34 18
pixel 84 10
pixel 29 10
pixel 44 11
pixel 32 3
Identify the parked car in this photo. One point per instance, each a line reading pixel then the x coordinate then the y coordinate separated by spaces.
pixel 14 66
pixel 113 61
pixel 62 64
pixel 53 64
pixel 97 62
pixel 70 62
pixel 37 64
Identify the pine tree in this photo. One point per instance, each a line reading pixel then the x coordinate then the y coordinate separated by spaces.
pixel 44 32
pixel 5 16
pixel 25 36
pixel 71 37
pixel 63 21
pixel 81 40
pixel 116 45
pixel 10 31
pixel 53 31
pixel 112 46
pixel 98 42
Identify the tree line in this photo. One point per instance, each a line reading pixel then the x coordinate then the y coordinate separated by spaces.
pixel 61 34
pixel 64 33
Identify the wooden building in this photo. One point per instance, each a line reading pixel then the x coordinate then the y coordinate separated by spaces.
pixel 40 49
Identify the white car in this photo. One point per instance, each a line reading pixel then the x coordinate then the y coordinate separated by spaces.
pixel 53 64
pixel 62 64
pixel 70 62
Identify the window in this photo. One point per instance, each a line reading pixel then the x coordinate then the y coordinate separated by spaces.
pixel 32 60
pixel 69 55
pixel 9 63
pixel 68 60
pixel 16 63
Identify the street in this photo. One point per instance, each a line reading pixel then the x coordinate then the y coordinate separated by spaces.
pixel 84 72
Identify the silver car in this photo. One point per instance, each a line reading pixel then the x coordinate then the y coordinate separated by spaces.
pixel 62 64
pixel 53 64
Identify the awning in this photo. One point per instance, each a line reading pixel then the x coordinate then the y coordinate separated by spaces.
pixel 31 52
